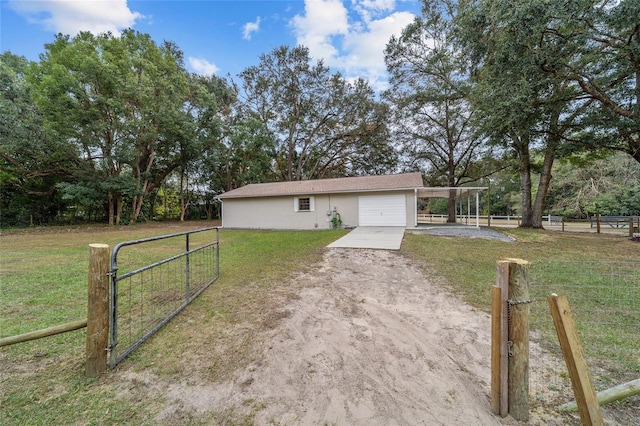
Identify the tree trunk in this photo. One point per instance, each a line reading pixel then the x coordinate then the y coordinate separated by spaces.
pixel 134 208
pixel 152 206
pixel 543 186
pixel 143 186
pixel 138 202
pixel 451 207
pixel 185 199
pixel 110 207
pixel 633 139
pixel 521 143
pixel 118 208
pixel 451 175
pixel 165 215
pixel 553 140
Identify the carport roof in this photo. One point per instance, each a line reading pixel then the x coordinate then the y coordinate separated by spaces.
pixel 444 192
pixel 402 181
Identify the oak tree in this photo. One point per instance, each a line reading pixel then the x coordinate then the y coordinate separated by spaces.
pixel 322 124
pixel 433 119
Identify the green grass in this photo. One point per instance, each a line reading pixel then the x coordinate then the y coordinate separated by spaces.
pixel 43 283
pixel 469 265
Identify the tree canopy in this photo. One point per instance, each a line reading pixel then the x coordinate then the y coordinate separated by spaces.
pixel 529 98
pixel 32 163
pixel 322 125
pixel 130 110
pixel 600 44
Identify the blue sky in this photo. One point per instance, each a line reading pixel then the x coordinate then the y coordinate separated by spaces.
pixel 223 36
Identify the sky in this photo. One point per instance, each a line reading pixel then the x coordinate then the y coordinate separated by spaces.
pixel 223 37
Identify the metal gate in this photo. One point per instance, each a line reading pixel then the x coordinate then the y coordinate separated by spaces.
pixel 160 277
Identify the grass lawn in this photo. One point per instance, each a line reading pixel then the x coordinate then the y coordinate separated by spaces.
pixel 469 265
pixel 43 276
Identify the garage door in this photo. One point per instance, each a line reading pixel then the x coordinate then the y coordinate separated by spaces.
pixel 382 210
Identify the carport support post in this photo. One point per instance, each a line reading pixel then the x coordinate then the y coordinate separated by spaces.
pixel 477 209
pixel 97 310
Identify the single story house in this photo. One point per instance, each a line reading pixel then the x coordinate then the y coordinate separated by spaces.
pixel 385 200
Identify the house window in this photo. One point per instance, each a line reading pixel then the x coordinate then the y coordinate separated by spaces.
pixel 303 204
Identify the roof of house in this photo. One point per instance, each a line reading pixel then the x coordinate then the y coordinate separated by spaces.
pixel 324 186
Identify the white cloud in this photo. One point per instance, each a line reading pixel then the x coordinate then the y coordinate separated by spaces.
pixel 366 48
pixel 323 20
pixel 202 66
pixel 71 17
pixel 368 9
pixel 250 28
pixel 353 44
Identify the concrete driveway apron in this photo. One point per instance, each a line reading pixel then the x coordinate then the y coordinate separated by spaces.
pixel 372 237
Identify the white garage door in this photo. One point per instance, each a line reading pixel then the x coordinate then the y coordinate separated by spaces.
pixel 382 210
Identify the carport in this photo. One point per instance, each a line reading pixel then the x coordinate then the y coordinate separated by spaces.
pixel 458 192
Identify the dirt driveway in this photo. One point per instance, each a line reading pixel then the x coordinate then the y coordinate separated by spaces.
pixel 369 340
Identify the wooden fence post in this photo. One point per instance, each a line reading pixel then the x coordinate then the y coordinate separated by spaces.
pixel 97 310
pixel 519 339
pixel 631 224
pixel 510 364
pixel 581 381
pixel 499 339
pixel 496 345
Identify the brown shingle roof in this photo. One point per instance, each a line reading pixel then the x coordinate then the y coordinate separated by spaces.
pixel 323 186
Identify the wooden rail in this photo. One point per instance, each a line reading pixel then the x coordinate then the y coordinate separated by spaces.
pixel 606 396
pixel 51 331
pixel 579 372
pixel 615 222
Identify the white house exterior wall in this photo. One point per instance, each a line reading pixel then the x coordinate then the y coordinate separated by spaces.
pixel 278 212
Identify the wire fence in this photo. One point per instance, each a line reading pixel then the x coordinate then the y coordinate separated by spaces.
pixel 552 223
pixel 605 301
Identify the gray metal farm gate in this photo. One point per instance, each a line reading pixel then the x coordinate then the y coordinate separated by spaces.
pixel 153 279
